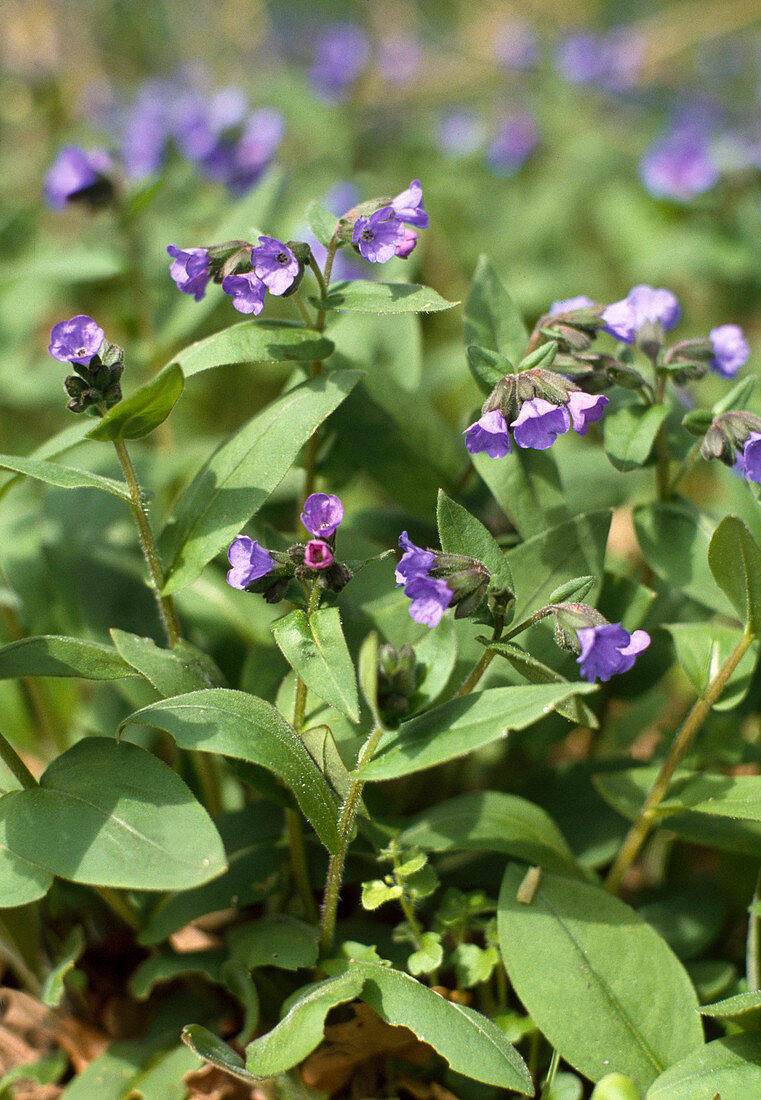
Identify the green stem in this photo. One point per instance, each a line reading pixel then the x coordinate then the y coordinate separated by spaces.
pixel 165 604
pixel 299 864
pixel 689 461
pixel 661 444
pixel 484 661
pixel 753 946
pixel 299 301
pixel 489 654
pixel 118 905
pixel 323 278
pixel 549 1080
pixel 645 819
pixel 15 764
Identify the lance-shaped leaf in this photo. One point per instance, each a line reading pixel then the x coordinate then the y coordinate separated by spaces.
pixel 21 881
pixel 575 710
pixel 725 1068
pixel 490 821
pixel 254 342
pixel 111 814
pixel 463 725
pixel 361 296
pixel 462 533
pixel 65 477
pixel 143 411
pixel 322 223
pixel 237 479
pixel 527 488
pixel 492 320
pixel 56 655
pixel 170 671
pixel 735 561
pixel 630 434
pixel 596 978
pixel 316 649
pixel 487 367
pixel 236 724
pixel 471 1043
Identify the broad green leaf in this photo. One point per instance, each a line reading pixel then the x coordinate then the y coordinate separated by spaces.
pixel 735 561
pixel 241 474
pixel 575 710
pixel 53 987
pixel 21 880
pixel 494 822
pixel 236 724
pixel 714 810
pixel 743 1008
pixel 158 969
pixel 487 367
pixel 238 982
pixel 361 296
pixel 111 814
pixel 321 222
pixel 316 649
pixel 55 655
pixel 726 1068
pixel 55 445
pixel 596 979
pixel 461 533
pixel 301 1029
pixel 491 318
pixel 526 485
pixel 280 941
pixel 702 648
pixel 675 538
pixel 254 342
pixel 630 434
pixel 170 671
pixel 435 657
pixel 737 397
pixel 212 1049
pixel 429 955
pixel 471 1043
pixel 249 879
pixel 65 477
pixel 163 1077
pixel 463 725
pixel 143 411
pixel 541 563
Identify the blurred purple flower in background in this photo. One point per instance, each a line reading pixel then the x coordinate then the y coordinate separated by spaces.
pixel 680 165
pixel 461 133
pixel 399 57
pixel 517 138
pixel 611 61
pixel 730 350
pixel 75 173
pixel 515 45
pixel 341 55
pixel 147 126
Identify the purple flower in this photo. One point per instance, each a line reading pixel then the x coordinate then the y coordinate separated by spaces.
pixel 515 45
pixel 322 514
pixel 414 561
pixel 262 134
pixel 730 350
pixel 340 57
pixel 408 245
pixel 249 562
pixel 517 138
pixel 461 133
pixel 317 554
pixel 612 61
pixel 399 58
pixel 247 292
pixel 408 206
pixel 190 270
pixel 643 303
pixel 147 127
pixel 274 264
pixel 378 236
pixel 609 649
pixel 74 172
pixel 750 463
pixel 430 598
pixel 585 409
pixel 680 166
pixel 539 423
pixel 490 434
pixel 200 121
pixel 76 340
pixel 566 305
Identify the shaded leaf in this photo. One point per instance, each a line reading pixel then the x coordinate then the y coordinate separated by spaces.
pixel 725 1068
pixel 280 941
pixel 316 649
pixel 630 434
pixel 361 296
pixel 143 411
pixel 65 477
pixel 55 655
pixel 575 710
pixel 461 533
pixel 169 671
pixel 526 485
pixel 735 561
pixel 492 319
pixel 254 342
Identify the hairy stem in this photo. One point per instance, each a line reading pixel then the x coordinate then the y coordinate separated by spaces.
pixel 644 821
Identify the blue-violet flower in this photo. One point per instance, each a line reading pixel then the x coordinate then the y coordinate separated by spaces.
pixel 643 303
pixel 414 561
pixel 408 206
pixel 74 171
pixel 609 649
pixel 567 305
pixel 378 236
pixel 430 598
pixel 76 340
pixel 317 554
pixel 247 292
pixel 539 423
pixel 408 244
pixel 585 409
pixel 489 433
pixel 249 562
pixel 322 514
pixel 730 350
pixel 274 264
pixel 190 270
pixel 750 462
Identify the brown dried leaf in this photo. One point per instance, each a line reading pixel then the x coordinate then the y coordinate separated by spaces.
pixel 26 1029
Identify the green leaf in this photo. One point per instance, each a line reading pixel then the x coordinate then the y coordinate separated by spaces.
pixel 675 539
pixel 491 821
pixel 280 941
pixel 376 892
pixel 526 485
pixel 159 969
pixel 21 880
pixel 596 979
pixel 487 367
pixel 55 655
pixel 316 649
pixel 545 561
pixel 239 983
pixel 630 434
pixel 321 222
pixel 491 318
pixel 367 674
pixel 462 533
pixel 170 671
pixel 301 1030
pixel 463 725
pixel 474 965
pixel 575 710
pixel 725 1068
pixel 254 342
pixel 361 296
pixel 53 987
pixel 702 648
pixel 236 724
pixel 735 561
pixel 143 411
pixel 735 1008
pixel 47 1070
pixel 737 397
pixel 212 1049
pixel 111 814
pixel 471 1043
pixel 237 479
pixel 429 955
pixel 65 477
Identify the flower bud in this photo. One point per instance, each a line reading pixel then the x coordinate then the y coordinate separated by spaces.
pixel 729 432
pixel 397 682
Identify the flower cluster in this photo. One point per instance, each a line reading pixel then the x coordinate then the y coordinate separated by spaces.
pixel 391 230
pixel 274 267
pixel 603 649
pixel 255 569
pixel 734 438
pixel 81 342
pixel 343 52
pixel 434 581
